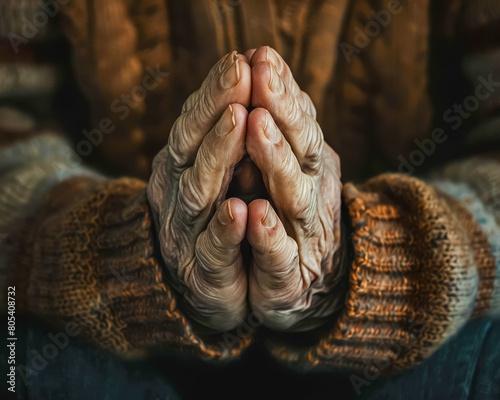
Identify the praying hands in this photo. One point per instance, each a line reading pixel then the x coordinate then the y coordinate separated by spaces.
pixel 290 281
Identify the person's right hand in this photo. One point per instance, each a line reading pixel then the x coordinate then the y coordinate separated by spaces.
pixel 199 230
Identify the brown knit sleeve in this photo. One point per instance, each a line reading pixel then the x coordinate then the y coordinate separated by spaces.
pixel 87 257
pixel 426 259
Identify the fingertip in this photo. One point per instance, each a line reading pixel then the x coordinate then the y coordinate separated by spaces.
pixel 249 54
pixel 245 83
pixel 242 57
pixel 232 220
pixel 258 120
pixel 265 232
pixel 261 218
pixel 261 72
pixel 239 78
pixel 258 209
pixel 238 210
pixel 259 55
pixel 240 114
pixel 226 61
pixel 261 77
pixel 263 138
pixel 253 140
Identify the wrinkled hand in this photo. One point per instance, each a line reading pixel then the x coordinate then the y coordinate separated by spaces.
pixel 200 233
pixel 295 267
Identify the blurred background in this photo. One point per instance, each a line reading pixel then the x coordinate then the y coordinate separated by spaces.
pixel 398 85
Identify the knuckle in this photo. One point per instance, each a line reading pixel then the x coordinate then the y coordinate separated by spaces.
pixel 300 208
pixel 206 108
pixel 209 161
pixel 293 110
pixel 176 162
pixel 175 139
pixel 307 104
pixel 296 118
pixel 191 196
pixel 286 251
pixel 211 253
pixel 313 155
pixel 155 190
pixel 297 212
pixel 190 102
pixel 181 142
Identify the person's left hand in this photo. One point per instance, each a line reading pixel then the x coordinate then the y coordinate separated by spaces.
pixel 295 269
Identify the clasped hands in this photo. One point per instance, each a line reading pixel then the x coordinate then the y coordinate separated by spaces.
pixel 290 279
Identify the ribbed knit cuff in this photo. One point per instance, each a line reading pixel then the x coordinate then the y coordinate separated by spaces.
pixel 88 257
pixel 414 281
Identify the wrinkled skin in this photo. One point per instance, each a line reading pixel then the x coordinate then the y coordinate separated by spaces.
pixel 294 237
pixel 189 182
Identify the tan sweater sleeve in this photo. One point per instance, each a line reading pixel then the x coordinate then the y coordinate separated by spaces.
pixel 426 259
pixel 87 256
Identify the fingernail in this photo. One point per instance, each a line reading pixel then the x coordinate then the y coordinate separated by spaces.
pixel 227 122
pixel 225 217
pixel 270 130
pixel 269 219
pixel 272 58
pixel 229 60
pixel 275 83
pixel 231 76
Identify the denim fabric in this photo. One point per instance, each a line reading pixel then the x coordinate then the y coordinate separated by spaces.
pixel 466 368
pixel 78 371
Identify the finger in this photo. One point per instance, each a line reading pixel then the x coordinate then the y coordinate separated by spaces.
pixel 275 277
pixel 218 247
pixel 300 129
pixel 218 283
pixel 222 65
pixel 204 185
pixel 201 112
pixel 228 82
pixel 248 54
pixel 266 53
pixel 292 191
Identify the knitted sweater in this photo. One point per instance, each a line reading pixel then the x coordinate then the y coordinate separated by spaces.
pixel 79 248
pixel 425 259
pixel 360 101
